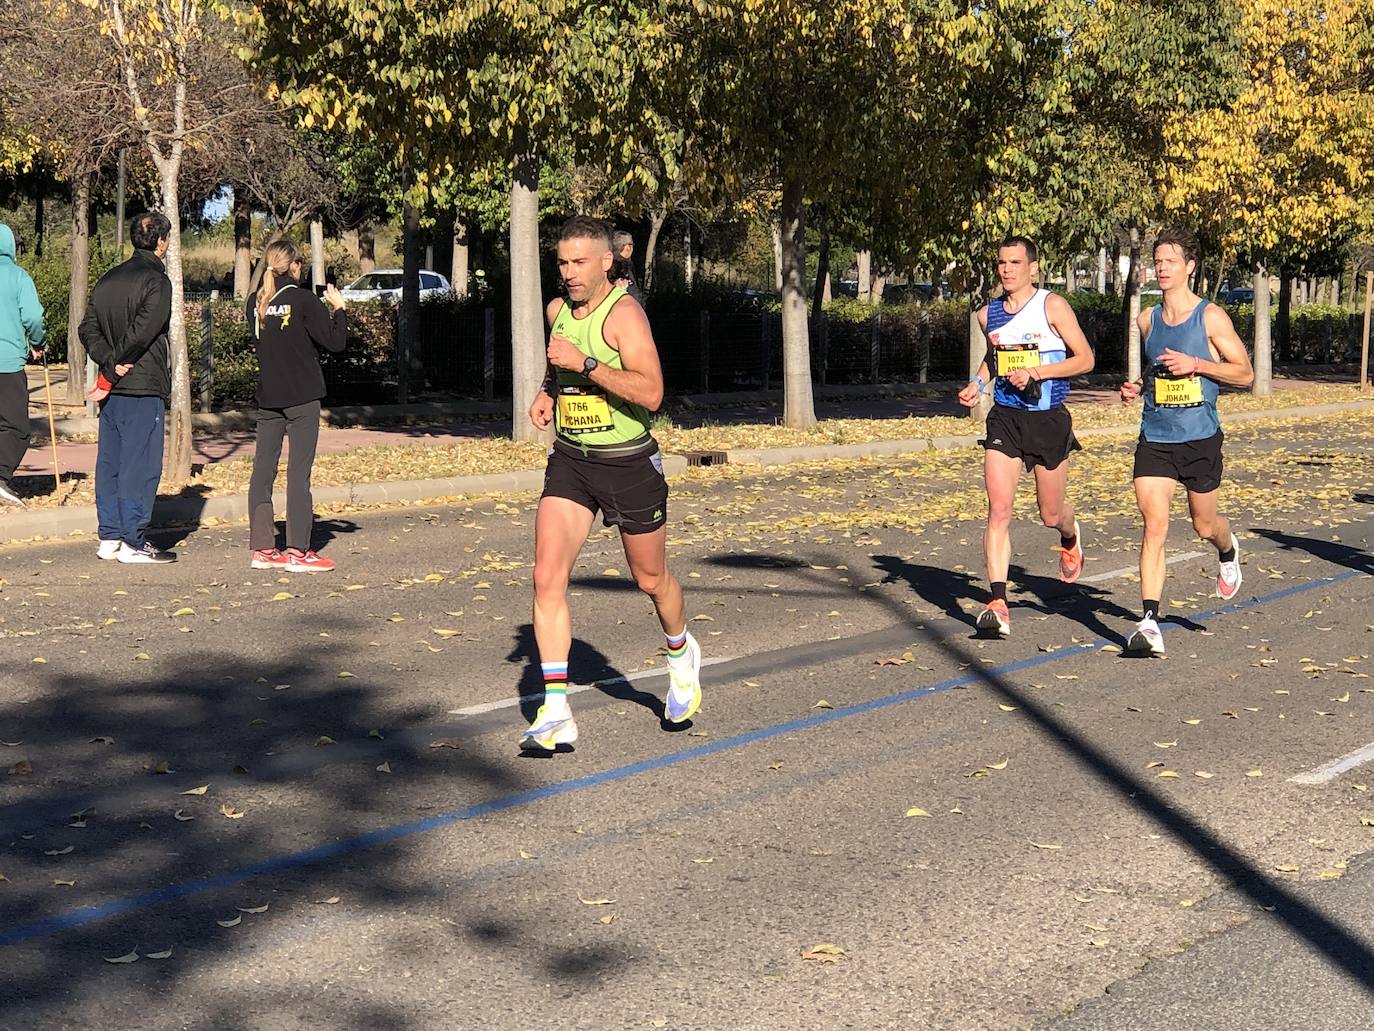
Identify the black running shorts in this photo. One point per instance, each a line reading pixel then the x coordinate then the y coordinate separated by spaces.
pixel 1036 438
pixel 628 490
pixel 1194 463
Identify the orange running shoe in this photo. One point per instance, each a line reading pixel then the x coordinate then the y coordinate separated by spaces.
pixel 1071 559
pixel 995 617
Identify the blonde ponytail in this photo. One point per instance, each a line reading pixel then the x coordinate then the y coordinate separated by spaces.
pixel 279 258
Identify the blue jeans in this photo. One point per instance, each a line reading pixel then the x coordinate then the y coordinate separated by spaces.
pixel 128 466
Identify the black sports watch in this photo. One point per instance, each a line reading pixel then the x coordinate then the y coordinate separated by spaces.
pixel 589 366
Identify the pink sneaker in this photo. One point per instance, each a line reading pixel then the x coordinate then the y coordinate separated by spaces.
pixel 308 562
pixel 269 558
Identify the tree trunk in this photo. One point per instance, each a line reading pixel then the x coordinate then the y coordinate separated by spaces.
pixel 777 258
pixel 76 293
pixel 1282 335
pixel 243 243
pixel 40 228
pixel 528 358
pixel 429 257
pixel 1070 278
pixel 876 286
pixel 409 315
pixel 656 219
pixel 176 467
pixel 818 297
pixel 689 263
pixel 367 249
pixel 864 259
pixel 1263 357
pixel 798 406
pixel 459 278
pixel 1131 309
pixel 316 252
pixel 1102 270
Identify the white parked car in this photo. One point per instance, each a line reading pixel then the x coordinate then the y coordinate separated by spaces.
pixel 385 284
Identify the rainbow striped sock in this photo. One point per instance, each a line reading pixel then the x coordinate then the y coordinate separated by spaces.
pixel 677 645
pixel 555 681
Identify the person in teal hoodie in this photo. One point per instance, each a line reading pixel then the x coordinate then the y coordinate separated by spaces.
pixel 21 337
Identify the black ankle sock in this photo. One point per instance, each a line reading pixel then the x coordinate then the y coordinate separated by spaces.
pixel 999 591
pixel 1068 543
pixel 1229 555
pixel 1151 609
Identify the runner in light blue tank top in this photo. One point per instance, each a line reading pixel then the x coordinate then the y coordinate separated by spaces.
pixel 1189 349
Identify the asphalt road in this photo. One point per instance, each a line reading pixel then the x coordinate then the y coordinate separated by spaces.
pixel 360 733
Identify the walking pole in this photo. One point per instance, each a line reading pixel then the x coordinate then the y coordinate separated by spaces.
pixel 52 431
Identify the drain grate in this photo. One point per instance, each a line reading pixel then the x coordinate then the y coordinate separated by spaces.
pixel 696 458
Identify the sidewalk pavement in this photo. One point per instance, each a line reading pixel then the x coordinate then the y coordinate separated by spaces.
pixel 225 436
pixel 189 509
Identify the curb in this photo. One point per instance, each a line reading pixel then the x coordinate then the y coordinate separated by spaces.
pixel 172 512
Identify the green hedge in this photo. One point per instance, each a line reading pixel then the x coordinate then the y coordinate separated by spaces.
pixel 52 277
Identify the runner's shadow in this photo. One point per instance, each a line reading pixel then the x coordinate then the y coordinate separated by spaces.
pixel 1328 551
pixel 945 589
pixel 586 665
pixel 1083 603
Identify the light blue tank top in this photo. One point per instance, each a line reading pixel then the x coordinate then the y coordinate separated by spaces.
pixel 1178 410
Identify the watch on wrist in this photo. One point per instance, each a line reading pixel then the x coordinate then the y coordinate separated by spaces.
pixel 589 366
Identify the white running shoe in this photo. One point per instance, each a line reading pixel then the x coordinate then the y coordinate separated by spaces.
pixel 108 550
pixel 551 727
pixel 1228 574
pixel 1147 640
pixel 684 687
pixel 149 553
pixel 8 496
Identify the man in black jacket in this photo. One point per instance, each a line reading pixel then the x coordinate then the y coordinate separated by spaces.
pixel 125 333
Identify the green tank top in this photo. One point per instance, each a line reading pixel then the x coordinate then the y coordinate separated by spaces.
pixel 585 415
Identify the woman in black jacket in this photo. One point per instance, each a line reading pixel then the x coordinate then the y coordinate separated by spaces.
pixel 289 323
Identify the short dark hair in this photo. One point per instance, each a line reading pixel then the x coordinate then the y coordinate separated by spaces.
pixel 1032 254
pixel 148 229
pixel 584 227
pixel 1181 238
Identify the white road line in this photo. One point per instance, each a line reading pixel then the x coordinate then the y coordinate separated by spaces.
pixel 1124 570
pixel 643 674
pixel 1334 769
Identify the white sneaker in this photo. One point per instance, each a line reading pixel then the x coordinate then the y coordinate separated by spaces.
pixel 108 550
pixel 8 496
pixel 1147 640
pixel 1228 574
pixel 146 554
pixel 684 686
pixel 551 727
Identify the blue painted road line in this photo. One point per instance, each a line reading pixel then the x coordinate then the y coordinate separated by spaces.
pixel 323 853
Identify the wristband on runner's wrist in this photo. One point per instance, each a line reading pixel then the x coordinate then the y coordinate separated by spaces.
pixel 982 383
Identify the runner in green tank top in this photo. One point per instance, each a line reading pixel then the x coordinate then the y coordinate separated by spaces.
pixel 603 380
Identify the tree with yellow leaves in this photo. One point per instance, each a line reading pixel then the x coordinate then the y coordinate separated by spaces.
pixel 1288 164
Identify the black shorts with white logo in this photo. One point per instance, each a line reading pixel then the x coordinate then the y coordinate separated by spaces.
pixel 629 490
pixel 1036 438
pixel 1194 463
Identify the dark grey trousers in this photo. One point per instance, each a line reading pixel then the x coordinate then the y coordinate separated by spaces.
pixel 300 425
pixel 14 421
